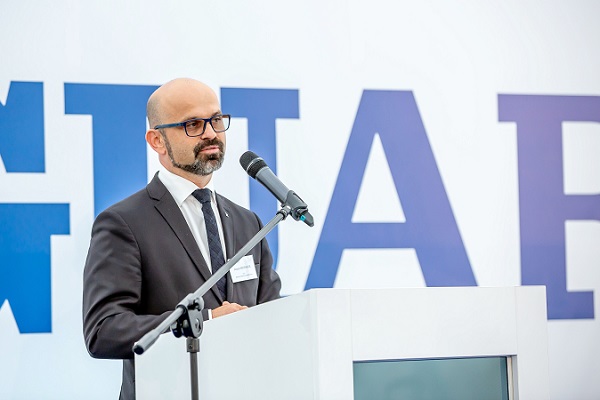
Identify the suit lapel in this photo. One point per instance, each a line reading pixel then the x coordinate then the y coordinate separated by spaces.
pixel 166 206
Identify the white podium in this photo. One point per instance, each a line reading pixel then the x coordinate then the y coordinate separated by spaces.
pixel 305 346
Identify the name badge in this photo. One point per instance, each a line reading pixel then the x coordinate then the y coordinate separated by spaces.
pixel 244 270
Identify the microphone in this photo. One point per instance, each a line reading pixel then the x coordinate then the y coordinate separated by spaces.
pixel 257 168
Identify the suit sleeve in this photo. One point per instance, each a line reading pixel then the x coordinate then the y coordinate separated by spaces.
pixel 112 290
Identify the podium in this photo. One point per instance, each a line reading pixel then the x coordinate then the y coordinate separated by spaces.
pixel 314 345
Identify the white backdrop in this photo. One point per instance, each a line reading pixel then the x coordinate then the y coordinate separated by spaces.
pixel 455 57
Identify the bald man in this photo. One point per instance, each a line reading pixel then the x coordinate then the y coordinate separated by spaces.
pixel 150 250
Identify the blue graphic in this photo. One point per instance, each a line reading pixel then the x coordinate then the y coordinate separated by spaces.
pixel 430 227
pixel 544 207
pixel 119 124
pixel 262 107
pixel 25 231
pixel 120 168
pixel 22 128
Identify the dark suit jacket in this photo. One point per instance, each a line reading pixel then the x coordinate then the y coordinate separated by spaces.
pixel 143 260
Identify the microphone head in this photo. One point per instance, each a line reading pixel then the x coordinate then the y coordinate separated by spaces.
pixel 252 163
pixel 247 158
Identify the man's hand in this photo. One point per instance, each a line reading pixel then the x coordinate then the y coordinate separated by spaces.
pixel 227 308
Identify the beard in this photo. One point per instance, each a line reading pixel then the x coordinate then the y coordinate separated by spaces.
pixel 203 164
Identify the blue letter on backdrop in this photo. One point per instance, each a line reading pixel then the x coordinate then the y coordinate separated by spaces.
pixel 544 207
pixel 25 231
pixel 22 128
pixel 119 124
pixel 262 107
pixel 430 227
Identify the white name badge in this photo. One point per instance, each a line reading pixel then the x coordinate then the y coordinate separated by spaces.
pixel 244 270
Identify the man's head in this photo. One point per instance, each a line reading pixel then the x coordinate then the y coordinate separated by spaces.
pixel 178 101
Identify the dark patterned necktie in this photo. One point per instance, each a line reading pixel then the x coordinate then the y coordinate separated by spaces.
pixel 217 259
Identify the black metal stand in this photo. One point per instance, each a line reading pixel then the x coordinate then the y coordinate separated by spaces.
pixel 193 347
pixel 186 320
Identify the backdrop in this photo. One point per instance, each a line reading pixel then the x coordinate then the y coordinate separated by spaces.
pixel 436 143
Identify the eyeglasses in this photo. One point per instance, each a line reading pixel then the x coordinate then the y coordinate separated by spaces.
pixel 197 126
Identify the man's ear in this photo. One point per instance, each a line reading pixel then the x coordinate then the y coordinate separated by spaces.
pixel 156 141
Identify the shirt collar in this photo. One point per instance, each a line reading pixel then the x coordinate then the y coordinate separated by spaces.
pixel 180 188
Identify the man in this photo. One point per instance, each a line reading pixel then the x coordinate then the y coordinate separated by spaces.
pixel 150 250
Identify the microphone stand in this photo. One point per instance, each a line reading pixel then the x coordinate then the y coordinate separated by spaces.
pixel 186 320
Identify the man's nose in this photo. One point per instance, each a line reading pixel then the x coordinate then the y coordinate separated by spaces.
pixel 209 132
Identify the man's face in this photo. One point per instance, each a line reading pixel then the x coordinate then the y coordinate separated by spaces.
pixel 208 155
pixel 200 155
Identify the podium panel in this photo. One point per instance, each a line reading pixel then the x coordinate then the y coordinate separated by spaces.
pixel 306 346
pixel 472 378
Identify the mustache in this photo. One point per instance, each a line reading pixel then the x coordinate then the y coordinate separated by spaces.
pixel 213 142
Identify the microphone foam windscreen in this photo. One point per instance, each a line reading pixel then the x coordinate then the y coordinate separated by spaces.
pixel 252 163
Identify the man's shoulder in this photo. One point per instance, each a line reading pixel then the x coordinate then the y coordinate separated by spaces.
pixel 140 201
pixel 131 203
pixel 229 204
pixel 238 211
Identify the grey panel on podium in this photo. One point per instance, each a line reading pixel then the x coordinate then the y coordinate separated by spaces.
pixel 304 346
